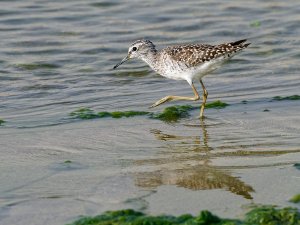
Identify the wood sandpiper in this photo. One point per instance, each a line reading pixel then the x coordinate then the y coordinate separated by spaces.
pixel 188 62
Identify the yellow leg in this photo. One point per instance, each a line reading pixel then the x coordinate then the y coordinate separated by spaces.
pixel 205 94
pixel 171 97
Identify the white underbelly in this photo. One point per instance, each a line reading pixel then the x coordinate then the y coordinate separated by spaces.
pixel 193 73
pixel 204 69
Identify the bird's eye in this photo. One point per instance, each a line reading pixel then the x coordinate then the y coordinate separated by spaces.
pixel 134 49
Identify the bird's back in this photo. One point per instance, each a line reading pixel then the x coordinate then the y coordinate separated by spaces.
pixel 193 58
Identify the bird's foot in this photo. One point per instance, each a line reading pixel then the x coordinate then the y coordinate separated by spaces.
pixel 161 101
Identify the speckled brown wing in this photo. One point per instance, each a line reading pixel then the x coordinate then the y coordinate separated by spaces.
pixel 191 55
pixel 195 54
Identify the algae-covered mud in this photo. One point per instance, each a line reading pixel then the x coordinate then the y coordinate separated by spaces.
pixel 173 113
pixel 78 138
pixel 86 113
pixel 259 216
pixel 169 114
pixel 295 198
pixel 292 97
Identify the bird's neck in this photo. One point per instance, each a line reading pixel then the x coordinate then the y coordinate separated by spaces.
pixel 151 59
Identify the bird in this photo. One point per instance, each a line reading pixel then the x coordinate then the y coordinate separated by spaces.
pixel 190 62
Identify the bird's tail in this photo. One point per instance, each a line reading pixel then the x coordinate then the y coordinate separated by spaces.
pixel 240 43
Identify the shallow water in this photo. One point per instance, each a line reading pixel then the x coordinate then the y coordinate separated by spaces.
pixel 57 56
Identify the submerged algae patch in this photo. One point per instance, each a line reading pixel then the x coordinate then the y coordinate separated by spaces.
pixel 265 215
pixel 104 4
pixel 169 114
pixel 216 104
pixel 126 114
pixel 86 113
pixel 173 113
pixel 130 217
pixel 268 215
pixel 255 23
pixel 2 122
pixel 295 199
pixel 297 165
pixel 292 97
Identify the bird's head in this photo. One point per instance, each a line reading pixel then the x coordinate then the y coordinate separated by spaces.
pixel 139 49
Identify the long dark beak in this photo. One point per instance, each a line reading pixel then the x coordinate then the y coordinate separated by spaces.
pixel 123 60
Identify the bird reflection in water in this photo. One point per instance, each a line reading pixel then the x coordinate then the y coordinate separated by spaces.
pixel 185 162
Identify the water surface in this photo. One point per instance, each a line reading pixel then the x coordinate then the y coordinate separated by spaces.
pixel 57 56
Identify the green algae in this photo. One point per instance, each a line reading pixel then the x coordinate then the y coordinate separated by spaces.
pixel 255 23
pixel 104 4
pixel 264 215
pixel 292 97
pixel 86 113
pixel 68 161
pixel 269 215
pixel 119 114
pixel 2 122
pixel 35 66
pixel 297 165
pixel 169 114
pixel 69 33
pixel 295 198
pixel 173 113
pixel 216 104
pixel 131 217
